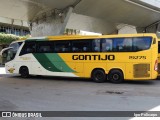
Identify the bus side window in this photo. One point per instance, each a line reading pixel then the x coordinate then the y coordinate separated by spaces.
pixel 62 47
pixel 81 46
pixel 96 45
pixel 123 44
pixel 29 47
pixel 142 43
pixel 45 47
pixel 107 45
pixel 158 46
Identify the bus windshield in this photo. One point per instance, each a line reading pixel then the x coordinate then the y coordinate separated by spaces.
pixel 15 45
pixel 10 52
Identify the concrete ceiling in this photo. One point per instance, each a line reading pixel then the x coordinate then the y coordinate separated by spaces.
pixel 119 11
pixel 27 9
pixel 115 11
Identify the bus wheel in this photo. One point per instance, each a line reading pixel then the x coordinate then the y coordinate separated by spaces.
pixel 24 72
pixel 98 76
pixel 116 76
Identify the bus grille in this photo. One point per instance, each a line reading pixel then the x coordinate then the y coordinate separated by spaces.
pixel 141 70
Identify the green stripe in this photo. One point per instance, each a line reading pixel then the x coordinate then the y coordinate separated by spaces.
pixel 52 62
pixel 44 39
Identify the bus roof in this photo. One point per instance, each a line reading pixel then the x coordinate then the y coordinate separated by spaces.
pixel 72 37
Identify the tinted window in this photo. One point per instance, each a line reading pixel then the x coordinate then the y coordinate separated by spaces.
pixel 29 47
pixel 62 46
pixel 141 43
pixel 107 45
pixel 96 46
pixel 81 46
pixel 131 44
pixel 10 54
pixel 158 47
pixel 15 45
pixel 123 44
pixel 45 47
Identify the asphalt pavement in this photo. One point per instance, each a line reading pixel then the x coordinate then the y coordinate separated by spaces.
pixel 40 93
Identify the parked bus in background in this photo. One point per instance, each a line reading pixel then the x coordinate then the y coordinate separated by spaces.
pixel 107 57
pixel 159 57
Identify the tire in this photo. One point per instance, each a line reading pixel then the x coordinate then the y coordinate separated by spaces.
pixel 98 76
pixel 24 72
pixel 116 76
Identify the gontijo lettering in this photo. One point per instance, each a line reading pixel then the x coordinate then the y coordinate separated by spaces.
pixel 93 57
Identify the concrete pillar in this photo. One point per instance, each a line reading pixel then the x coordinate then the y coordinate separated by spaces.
pixel 12 31
pixel 66 20
pixel 56 25
pixel 53 24
pixel 21 29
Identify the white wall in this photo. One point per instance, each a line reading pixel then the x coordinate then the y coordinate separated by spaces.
pixel 153 2
pixel 126 29
pixel 91 24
